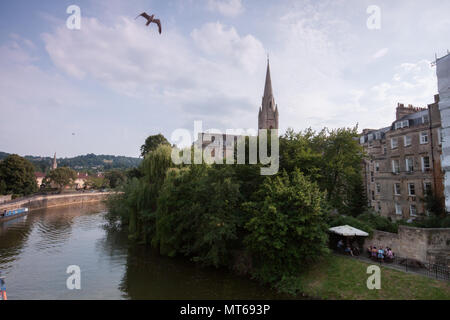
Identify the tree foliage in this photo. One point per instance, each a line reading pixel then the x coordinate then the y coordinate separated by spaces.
pixel 152 143
pixel 116 178
pixel 198 214
pixel 210 212
pixel 287 229
pixel 62 177
pixel 17 176
pixel 333 159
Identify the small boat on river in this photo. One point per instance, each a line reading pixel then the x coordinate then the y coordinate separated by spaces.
pixel 12 214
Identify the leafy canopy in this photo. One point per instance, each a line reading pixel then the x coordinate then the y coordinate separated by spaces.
pixel 152 143
pixel 17 176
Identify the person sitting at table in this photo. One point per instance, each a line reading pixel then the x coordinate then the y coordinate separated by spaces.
pixel 381 254
pixel 349 250
pixel 390 254
pixel 340 244
pixel 355 248
pixel 374 252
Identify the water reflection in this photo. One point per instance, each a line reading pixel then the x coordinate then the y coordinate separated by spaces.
pixel 35 251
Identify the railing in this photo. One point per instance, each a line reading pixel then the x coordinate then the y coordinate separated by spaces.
pixel 432 270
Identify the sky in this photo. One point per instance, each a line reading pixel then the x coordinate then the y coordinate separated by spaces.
pixel 104 88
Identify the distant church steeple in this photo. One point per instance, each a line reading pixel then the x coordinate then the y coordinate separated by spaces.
pixel 54 165
pixel 268 112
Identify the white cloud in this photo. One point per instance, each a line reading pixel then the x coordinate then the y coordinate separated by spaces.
pixel 229 8
pixel 215 39
pixel 167 69
pixel 412 83
pixel 380 53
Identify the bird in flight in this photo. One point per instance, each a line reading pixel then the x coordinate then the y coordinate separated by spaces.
pixel 150 20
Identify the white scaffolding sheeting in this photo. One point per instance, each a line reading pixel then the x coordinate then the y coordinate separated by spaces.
pixel 443 75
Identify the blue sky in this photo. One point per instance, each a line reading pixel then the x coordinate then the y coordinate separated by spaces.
pixel 106 87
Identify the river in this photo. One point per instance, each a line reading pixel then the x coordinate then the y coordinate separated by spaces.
pixel 35 251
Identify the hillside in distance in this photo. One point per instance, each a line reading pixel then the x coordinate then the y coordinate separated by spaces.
pixel 89 162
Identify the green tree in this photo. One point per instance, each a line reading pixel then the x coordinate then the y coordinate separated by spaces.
pixel 17 175
pixel 199 214
pixel 333 159
pixel 152 143
pixel 343 157
pixel 95 182
pixel 287 229
pixel 62 176
pixel 116 178
pixel 434 204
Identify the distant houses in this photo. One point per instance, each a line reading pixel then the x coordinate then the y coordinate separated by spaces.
pixel 79 183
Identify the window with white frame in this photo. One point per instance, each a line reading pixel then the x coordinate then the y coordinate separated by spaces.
pixel 411 189
pixel 425 163
pixel 361 140
pixel 394 143
pixel 397 190
pixel 402 124
pixel 412 210
pixel 398 208
pixel 407 141
pixel 423 137
pixel 425 119
pixel 378 188
pixel 395 166
pixel 409 162
pixel 377 166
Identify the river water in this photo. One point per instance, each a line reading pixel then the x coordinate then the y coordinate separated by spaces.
pixel 35 251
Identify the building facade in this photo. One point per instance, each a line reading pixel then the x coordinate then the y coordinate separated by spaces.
pixel 443 76
pixel 404 162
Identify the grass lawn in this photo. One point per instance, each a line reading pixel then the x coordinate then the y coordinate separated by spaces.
pixel 344 278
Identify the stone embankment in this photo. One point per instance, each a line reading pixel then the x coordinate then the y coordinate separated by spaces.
pixel 49 201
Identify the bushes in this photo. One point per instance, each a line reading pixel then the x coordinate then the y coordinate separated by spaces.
pixel 367 221
pixel 431 221
pixel 378 222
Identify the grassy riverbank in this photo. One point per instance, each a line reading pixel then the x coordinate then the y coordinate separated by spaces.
pixel 343 278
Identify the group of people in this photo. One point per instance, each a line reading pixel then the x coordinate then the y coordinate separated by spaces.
pixel 380 254
pixel 352 250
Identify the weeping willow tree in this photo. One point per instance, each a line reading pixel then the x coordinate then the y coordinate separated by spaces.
pixel 136 206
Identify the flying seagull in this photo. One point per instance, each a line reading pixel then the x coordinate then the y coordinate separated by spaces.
pixel 150 20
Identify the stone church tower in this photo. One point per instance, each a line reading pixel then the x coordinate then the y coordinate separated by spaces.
pixel 268 112
pixel 55 164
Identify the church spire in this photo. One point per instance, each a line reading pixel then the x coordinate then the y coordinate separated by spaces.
pixel 268 112
pixel 268 86
pixel 55 164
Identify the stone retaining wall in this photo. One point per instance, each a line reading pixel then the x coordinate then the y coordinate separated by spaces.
pixel 424 244
pixel 48 201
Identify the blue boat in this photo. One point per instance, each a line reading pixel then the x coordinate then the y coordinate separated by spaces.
pixel 11 214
